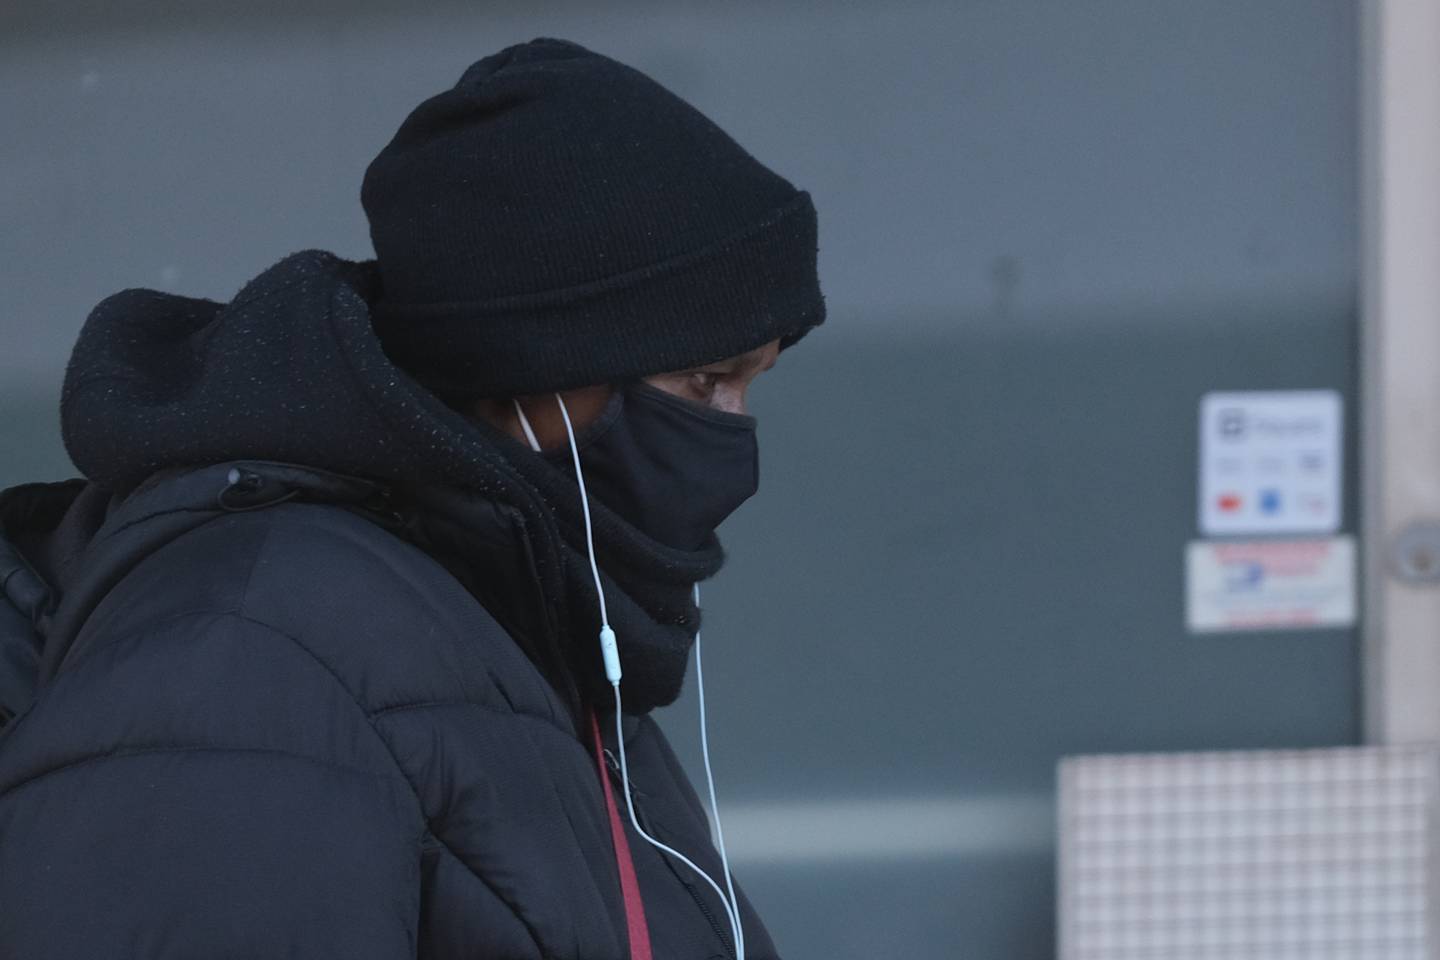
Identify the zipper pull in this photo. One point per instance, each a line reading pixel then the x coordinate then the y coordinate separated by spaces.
pixel 612 763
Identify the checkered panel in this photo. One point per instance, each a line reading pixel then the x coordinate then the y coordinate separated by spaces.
pixel 1294 855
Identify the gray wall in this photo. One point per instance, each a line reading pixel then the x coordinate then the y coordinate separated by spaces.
pixel 1047 228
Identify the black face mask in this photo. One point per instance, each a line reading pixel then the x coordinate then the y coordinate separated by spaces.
pixel 671 468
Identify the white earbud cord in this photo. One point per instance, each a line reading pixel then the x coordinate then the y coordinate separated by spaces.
pixel 612 672
pixel 525 425
pixel 630 805
pixel 710 784
pixel 585 508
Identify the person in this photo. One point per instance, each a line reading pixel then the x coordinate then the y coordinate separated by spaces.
pixel 317 641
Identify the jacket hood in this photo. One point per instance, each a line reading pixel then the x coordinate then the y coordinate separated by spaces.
pixel 164 394
pixel 289 370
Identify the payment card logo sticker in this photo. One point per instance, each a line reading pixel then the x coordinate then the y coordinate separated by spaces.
pixel 1270 463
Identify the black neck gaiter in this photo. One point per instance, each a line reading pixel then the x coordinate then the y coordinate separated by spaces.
pixel 655 467
pixel 661 474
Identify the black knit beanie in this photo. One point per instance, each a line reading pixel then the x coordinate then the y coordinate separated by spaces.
pixel 558 219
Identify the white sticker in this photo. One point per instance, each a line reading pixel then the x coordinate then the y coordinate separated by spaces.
pixel 1270 462
pixel 1270 584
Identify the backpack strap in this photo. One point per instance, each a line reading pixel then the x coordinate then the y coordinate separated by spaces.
pixel 27 512
pixel 23 599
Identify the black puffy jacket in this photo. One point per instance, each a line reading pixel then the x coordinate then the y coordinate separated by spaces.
pixel 275 729
pixel 268 726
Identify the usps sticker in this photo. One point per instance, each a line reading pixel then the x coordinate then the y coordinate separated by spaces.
pixel 1270 462
pixel 1270 584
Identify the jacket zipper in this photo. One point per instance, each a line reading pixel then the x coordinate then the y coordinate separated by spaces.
pixel 715 925
pixel 613 765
